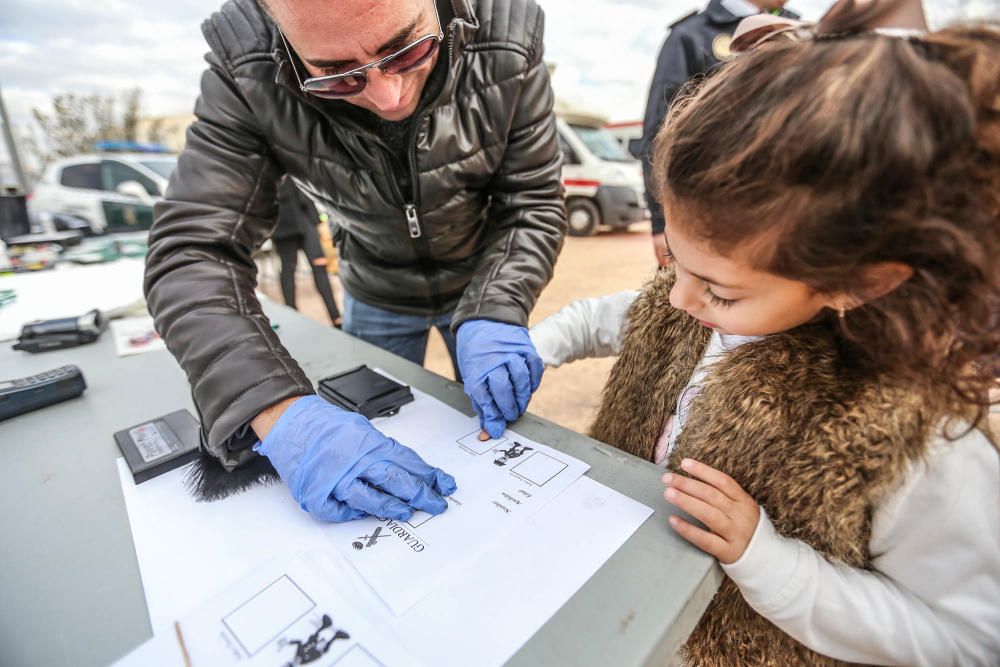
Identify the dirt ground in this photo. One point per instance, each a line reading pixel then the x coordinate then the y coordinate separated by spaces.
pixel 602 264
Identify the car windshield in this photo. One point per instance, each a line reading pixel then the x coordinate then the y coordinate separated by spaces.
pixel 162 166
pixel 601 143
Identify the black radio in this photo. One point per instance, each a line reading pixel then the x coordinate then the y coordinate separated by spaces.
pixel 37 391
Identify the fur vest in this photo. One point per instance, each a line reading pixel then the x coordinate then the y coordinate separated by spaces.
pixel 817 448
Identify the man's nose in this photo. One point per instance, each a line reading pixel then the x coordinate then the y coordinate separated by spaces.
pixel 384 90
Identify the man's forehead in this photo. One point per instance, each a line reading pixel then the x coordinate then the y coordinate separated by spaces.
pixel 341 18
pixel 338 33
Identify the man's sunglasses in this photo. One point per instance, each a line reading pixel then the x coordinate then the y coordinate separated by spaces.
pixel 347 84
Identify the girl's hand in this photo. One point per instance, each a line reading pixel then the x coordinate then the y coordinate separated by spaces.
pixel 718 502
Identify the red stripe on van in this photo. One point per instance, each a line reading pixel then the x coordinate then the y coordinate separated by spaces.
pixel 582 182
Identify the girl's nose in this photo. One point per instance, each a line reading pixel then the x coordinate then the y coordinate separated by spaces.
pixel 683 295
pixel 384 90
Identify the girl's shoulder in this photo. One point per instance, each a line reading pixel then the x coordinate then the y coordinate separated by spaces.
pixel 946 497
pixel 956 451
pixel 958 463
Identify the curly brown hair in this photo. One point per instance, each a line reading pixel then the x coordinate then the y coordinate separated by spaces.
pixel 849 152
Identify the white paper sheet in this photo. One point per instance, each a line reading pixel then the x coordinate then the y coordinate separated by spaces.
pixel 501 482
pixel 189 550
pixel 285 612
pixel 135 335
pixel 69 292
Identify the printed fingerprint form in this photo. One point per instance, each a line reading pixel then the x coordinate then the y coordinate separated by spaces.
pixel 254 625
pixel 502 482
pixel 316 645
pixel 514 452
pixel 539 469
pixel 366 541
pixel 357 656
pixel 279 616
pixel 472 444
pixel 420 517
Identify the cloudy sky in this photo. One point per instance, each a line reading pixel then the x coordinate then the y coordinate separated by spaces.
pixel 604 49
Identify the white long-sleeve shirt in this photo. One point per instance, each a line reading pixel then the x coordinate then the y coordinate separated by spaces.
pixel 933 595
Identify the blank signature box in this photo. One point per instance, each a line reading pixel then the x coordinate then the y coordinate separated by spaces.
pixel 473 443
pixel 358 656
pixel 539 469
pixel 419 518
pixel 259 620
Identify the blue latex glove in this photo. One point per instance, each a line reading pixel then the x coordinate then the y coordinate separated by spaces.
pixel 501 370
pixel 339 467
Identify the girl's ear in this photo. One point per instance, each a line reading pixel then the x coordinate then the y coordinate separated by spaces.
pixel 878 280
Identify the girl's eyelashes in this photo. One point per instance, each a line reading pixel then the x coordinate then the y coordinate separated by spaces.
pixel 718 300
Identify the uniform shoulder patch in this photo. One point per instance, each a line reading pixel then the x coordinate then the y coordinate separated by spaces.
pixel 720 46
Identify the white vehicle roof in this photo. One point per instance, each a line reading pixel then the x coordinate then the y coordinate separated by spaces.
pixel 578 116
pixel 51 172
pixel 128 157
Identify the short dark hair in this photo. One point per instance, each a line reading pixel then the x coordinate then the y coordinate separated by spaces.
pixel 266 7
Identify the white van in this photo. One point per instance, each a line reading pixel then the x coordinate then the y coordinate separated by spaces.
pixel 603 183
pixel 628 133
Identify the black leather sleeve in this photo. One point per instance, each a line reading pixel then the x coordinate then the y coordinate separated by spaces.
pixel 200 274
pixel 527 217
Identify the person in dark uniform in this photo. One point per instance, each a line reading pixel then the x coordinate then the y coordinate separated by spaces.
pixel 696 44
pixel 296 230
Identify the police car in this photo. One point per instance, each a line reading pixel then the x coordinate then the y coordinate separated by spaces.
pixel 112 190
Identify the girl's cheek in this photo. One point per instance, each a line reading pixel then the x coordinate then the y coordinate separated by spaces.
pixel 675 296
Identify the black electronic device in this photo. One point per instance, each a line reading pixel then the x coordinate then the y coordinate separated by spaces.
pixel 37 391
pixel 159 445
pixel 364 391
pixel 44 335
pixel 14 219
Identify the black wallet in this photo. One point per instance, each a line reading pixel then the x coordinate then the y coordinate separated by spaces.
pixel 160 445
pixel 364 391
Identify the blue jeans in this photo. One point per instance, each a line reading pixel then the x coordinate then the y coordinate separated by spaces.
pixel 399 333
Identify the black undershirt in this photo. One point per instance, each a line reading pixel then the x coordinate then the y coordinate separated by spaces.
pixel 395 133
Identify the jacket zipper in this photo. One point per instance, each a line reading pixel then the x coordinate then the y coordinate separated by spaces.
pixel 412 221
pixel 410 209
pixel 451 44
pixel 412 212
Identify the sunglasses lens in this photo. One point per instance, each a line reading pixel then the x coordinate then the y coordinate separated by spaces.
pixel 336 88
pixel 411 58
pixel 347 86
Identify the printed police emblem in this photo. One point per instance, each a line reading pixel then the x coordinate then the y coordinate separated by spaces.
pixel 720 46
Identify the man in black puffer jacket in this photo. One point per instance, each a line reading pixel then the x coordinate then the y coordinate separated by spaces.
pixel 427 129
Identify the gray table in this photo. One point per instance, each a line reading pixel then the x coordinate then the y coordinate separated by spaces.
pixel 70 591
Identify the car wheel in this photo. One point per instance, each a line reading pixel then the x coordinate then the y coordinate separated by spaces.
pixel 583 217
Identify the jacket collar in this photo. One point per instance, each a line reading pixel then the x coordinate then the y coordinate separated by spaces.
pixel 461 28
pixel 717 13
